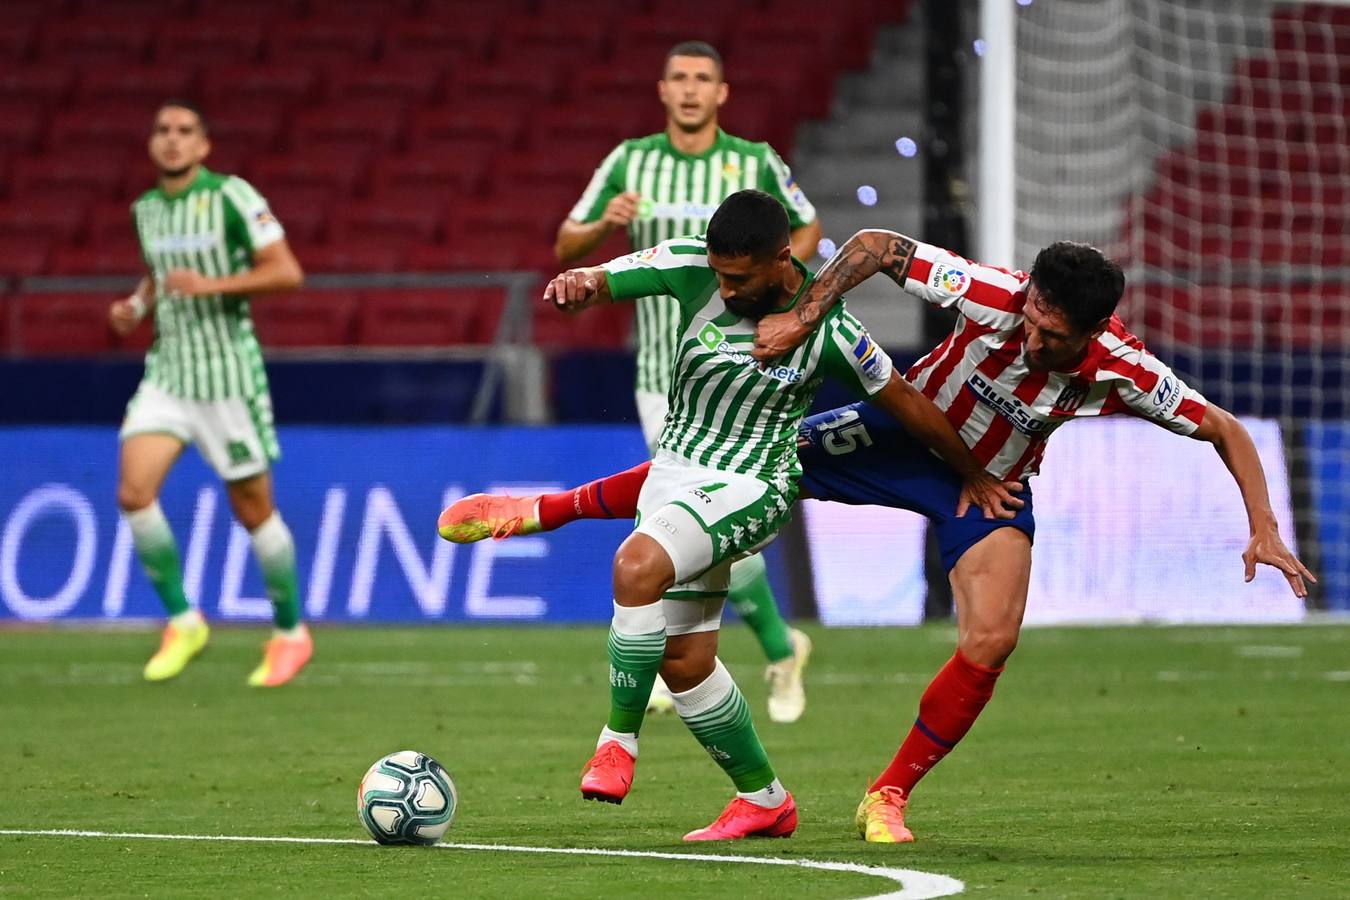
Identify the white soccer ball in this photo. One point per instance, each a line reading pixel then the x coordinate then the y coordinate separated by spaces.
pixel 407 798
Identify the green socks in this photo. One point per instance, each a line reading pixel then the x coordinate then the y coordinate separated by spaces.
pixel 752 598
pixel 718 716
pixel 275 551
pixel 637 644
pixel 158 552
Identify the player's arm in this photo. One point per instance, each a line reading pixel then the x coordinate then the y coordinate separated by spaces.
pixel 576 239
pixel 922 418
pixel 862 256
pixel 275 269
pixel 1235 447
pixel 124 315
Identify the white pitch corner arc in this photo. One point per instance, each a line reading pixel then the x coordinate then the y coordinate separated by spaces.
pixel 914 885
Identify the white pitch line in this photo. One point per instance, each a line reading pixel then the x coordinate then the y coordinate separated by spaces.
pixel 915 885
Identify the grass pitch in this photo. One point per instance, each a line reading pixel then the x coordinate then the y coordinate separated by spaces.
pixel 1149 762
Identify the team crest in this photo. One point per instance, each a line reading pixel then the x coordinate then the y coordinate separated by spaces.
pixel 1071 398
pixel 731 171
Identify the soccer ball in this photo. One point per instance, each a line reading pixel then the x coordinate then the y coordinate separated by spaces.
pixel 406 798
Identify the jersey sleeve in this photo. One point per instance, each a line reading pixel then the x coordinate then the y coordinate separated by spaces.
pixel 850 356
pixel 776 178
pixel 256 225
pixel 605 185
pixel 987 295
pixel 676 267
pixel 1146 387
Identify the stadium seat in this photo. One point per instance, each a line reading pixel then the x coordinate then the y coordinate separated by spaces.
pixel 303 210
pixel 247 126
pixel 485 120
pixel 283 83
pixel 42 85
pixel 98 171
pixel 352 258
pixel 264 11
pixel 25 253
pixel 317 42
pixel 519 80
pixel 21 126
pixel 560 165
pixel 429 317
pixel 368 125
pixel 489 216
pixel 144 86
pixel 310 318
pixel 441 40
pixel 484 253
pixel 459 169
pixel 648 38
pixel 86 40
pixel 209 41
pixel 111 221
pixel 115 127
pixel 339 170
pixel 17 39
pixel 103 258
pixel 376 223
pixel 64 324
pixel 39 216
pixel 390 82
pixel 579 121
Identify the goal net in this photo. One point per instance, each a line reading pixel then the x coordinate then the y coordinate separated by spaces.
pixel 1206 145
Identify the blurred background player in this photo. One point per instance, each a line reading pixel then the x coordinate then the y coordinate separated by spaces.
pixel 209 241
pixel 667 185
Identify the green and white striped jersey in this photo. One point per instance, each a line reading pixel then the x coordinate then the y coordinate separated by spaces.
pixel 679 195
pixel 204 347
pixel 726 412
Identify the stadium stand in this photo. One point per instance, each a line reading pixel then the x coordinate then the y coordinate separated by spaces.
pixel 435 134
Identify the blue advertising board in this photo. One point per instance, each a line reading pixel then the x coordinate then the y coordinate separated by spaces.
pixel 362 504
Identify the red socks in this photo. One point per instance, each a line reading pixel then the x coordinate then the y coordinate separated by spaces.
pixel 948 708
pixel 613 497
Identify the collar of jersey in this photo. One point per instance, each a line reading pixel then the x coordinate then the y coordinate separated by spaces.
pixel 193 185
pixel 718 143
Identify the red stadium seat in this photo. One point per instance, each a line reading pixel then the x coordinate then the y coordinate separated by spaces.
pixel 310 318
pixel 491 217
pixel 376 223
pixel 303 210
pixel 528 36
pixel 100 172
pixel 209 41
pixel 580 121
pixel 39 216
pixel 280 83
pixel 429 317
pixel 460 169
pixel 338 170
pixel 64 324
pixel 145 86
pixel 501 123
pixel 44 85
pixel 441 40
pixel 494 253
pixel 25 253
pixel 605 329
pixel 507 83
pixel 560 165
pixel 368 125
pixel 117 127
pixel 387 82
pixel 265 11
pixel 104 258
pixel 111 221
pixel 352 258
pixel 321 42
pixel 84 40
pixel 647 38
pixel 21 126
pixel 247 126
pixel 17 38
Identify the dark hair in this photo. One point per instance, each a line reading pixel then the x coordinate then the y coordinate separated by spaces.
pixel 176 103
pixel 694 48
pixel 1079 280
pixel 748 223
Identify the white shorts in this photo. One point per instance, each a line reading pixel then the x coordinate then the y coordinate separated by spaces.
pixel 704 520
pixel 235 436
pixel 652 408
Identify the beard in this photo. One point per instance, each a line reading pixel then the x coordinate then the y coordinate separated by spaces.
pixel 757 307
pixel 175 173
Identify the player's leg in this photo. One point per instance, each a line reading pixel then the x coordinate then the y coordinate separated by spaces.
pixel 786 649
pixel 237 438
pixel 152 438
pixel 989 583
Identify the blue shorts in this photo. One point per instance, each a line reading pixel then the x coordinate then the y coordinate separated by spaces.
pixel 861 455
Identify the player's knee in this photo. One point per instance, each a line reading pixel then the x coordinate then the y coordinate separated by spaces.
pixel 641 573
pixel 684 670
pixel 131 497
pixel 989 646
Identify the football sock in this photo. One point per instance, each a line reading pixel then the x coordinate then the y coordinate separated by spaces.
pixel 158 552
pixel 947 710
pixel 637 644
pixel 769 797
pixel 718 716
pixel 753 600
pixel 612 497
pixel 275 550
pixel 628 741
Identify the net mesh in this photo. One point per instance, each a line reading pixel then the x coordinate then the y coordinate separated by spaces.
pixel 1206 146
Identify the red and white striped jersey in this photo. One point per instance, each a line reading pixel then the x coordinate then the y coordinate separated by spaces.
pixel 1003 410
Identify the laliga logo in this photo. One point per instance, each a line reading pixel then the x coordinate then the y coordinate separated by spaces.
pixel 954 280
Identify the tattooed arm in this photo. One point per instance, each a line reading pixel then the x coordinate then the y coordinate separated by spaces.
pixel 861 257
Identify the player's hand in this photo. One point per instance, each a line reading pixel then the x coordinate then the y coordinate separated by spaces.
pixel 1267 548
pixel 572 289
pixel 124 316
pixel 187 282
pixel 992 497
pixel 776 335
pixel 621 209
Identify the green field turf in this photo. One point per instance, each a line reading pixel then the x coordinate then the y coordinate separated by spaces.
pixel 1141 762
